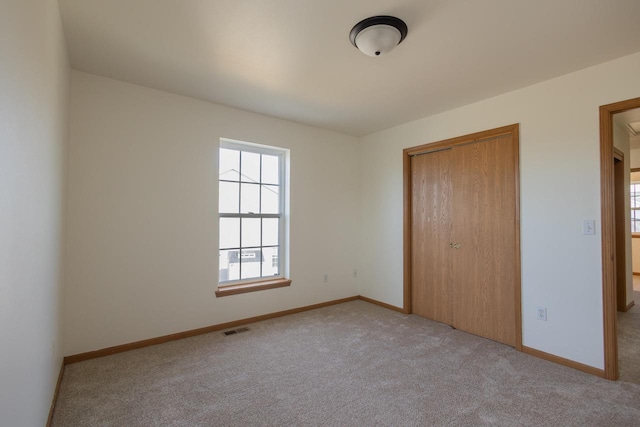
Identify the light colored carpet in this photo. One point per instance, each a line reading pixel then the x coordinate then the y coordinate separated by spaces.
pixel 353 364
pixel 629 342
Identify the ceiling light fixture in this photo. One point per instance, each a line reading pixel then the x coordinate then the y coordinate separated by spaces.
pixel 378 35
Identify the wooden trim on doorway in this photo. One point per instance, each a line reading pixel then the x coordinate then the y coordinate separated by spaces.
pixel 406 232
pixel 460 140
pixel 514 130
pixel 518 290
pixel 619 195
pixel 608 233
pixel 617 154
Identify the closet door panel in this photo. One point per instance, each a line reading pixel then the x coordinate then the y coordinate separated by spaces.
pixel 484 226
pixel 431 225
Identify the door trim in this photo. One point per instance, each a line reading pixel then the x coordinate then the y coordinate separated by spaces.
pixel 514 130
pixel 620 228
pixel 608 233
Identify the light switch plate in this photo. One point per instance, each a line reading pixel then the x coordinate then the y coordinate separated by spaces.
pixel 589 227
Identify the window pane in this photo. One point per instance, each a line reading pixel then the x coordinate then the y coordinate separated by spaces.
pixel 250 232
pixel 270 199
pixel 270 265
pixel 250 167
pixel 229 233
pixel 229 164
pixel 250 198
pixel 228 197
pixel 635 221
pixel 229 265
pixel 249 185
pixel 270 169
pixel 635 195
pixel 270 231
pixel 251 260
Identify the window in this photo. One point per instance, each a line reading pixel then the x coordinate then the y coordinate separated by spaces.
pixel 635 207
pixel 251 218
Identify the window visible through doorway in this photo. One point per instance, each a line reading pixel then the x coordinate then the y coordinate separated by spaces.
pixel 635 207
pixel 251 217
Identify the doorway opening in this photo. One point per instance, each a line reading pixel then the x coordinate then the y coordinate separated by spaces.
pixel 615 239
pixel 626 141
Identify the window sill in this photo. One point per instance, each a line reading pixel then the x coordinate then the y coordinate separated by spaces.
pixel 252 287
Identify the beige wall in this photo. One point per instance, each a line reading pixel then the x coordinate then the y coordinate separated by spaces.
pixel 560 187
pixel 635 158
pixel 636 256
pixel 33 129
pixel 142 214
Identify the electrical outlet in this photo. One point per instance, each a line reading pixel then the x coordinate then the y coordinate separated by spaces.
pixel 542 313
pixel 326 278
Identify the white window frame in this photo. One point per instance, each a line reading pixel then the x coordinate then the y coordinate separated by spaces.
pixel 633 210
pixel 263 282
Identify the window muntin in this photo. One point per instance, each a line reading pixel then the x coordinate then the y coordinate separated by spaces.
pixel 251 213
pixel 635 207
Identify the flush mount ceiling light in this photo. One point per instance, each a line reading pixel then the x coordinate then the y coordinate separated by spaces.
pixel 378 35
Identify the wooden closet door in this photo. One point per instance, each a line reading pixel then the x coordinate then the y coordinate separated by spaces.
pixel 484 226
pixel 431 225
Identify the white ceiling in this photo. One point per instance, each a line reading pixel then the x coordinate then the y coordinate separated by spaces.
pixel 293 59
